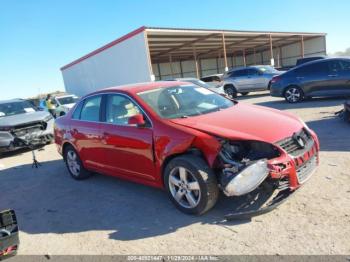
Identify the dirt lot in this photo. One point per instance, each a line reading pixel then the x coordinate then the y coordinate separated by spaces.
pixel 104 215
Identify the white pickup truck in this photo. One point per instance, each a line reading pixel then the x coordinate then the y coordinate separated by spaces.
pixel 64 104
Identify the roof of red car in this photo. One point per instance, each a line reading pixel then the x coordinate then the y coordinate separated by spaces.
pixel 141 87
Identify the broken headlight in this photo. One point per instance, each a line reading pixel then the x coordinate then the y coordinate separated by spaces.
pixel 244 165
pixel 248 179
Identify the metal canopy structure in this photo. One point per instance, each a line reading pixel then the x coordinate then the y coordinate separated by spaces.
pixel 153 53
pixel 169 44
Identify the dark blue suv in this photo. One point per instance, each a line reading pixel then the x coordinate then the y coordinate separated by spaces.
pixel 325 77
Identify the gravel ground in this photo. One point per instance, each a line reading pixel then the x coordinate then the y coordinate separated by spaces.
pixel 104 215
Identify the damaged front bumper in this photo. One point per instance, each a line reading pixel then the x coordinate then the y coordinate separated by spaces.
pixel 22 137
pixel 277 198
pixel 284 174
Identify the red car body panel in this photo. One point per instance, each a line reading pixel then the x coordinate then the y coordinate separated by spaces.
pixel 139 154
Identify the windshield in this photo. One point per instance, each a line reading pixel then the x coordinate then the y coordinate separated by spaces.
pixel 15 108
pixel 267 69
pixel 67 100
pixel 184 101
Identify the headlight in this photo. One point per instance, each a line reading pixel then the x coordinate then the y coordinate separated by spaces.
pixel 248 179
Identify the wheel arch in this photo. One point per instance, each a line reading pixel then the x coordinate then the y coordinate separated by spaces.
pixel 227 85
pixel 190 151
pixel 64 147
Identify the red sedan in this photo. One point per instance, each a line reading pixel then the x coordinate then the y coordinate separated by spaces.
pixel 186 139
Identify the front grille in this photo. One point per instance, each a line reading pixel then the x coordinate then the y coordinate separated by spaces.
pixel 20 131
pixel 283 183
pixel 291 145
pixel 304 171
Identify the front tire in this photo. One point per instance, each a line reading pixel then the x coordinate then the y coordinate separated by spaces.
pixel 293 94
pixel 74 164
pixel 191 184
pixel 231 91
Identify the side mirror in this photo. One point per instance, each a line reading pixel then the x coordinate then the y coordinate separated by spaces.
pixel 137 120
pixel 9 240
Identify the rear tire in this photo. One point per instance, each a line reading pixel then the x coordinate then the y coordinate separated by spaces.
pixel 244 93
pixel 191 184
pixel 231 91
pixel 74 164
pixel 293 94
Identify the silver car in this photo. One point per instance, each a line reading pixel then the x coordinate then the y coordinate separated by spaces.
pixel 249 79
pixel 21 125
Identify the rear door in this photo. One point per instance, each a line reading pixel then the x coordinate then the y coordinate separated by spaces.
pixel 258 79
pixel 240 79
pixel 85 131
pixel 314 78
pixel 340 69
pixel 128 149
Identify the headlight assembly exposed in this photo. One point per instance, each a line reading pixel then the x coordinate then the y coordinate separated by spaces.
pixel 248 179
pixel 244 165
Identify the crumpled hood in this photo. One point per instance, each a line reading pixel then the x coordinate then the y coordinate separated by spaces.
pixel 248 122
pixel 23 118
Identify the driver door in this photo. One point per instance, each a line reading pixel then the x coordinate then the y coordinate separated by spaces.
pixel 128 149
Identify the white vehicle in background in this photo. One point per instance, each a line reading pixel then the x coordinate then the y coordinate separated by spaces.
pixel 64 104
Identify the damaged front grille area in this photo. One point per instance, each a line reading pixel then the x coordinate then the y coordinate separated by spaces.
pixel 244 165
pixel 283 184
pixel 304 172
pixel 28 129
pixel 297 144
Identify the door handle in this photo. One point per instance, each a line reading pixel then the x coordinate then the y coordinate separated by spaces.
pixel 332 75
pixel 300 77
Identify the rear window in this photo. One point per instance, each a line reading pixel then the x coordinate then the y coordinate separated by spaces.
pixel 313 69
pixel 307 59
pixel 238 73
pixel 89 109
pixel 345 65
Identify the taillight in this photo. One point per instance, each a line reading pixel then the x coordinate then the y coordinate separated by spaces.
pixel 275 79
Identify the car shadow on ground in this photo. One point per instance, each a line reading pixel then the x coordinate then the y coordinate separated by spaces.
pixel 19 152
pixel 48 200
pixel 253 95
pixel 336 138
pixel 310 103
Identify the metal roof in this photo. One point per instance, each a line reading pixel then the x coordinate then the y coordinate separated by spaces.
pixel 182 43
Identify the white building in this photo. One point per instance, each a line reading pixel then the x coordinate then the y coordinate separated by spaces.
pixel 150 53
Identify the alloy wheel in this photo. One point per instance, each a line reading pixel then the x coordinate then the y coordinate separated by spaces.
pixel 184 187
pixel 230 92
pixel 73 164
pixel 293 95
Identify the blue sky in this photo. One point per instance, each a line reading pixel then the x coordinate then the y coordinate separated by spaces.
pixel 37 37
